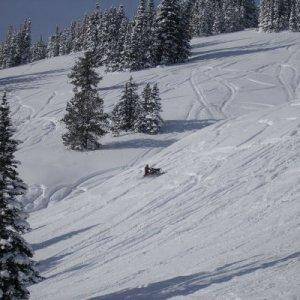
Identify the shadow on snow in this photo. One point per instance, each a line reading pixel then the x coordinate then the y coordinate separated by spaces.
pixel 178 126
pixel 234 51
pixel 170 126
pixel 186 285
pixel 27 81
pixel 139 143
pixel 59 239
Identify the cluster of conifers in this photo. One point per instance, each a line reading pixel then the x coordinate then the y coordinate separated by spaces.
pixel 86 120
pixel 154 36
pixel 278 15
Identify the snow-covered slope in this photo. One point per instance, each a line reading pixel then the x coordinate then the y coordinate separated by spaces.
pixel 228 75
pixel 222 222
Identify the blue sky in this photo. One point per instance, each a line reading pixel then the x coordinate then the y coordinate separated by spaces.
pixel 46 14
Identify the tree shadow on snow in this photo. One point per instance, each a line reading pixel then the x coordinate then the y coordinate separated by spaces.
pixel 233 51
pixel 27 81
pixel 51 262
pixel 215 42
pixel 139 143
pixel 170 126
pixel 186 285
pixel 60 238
pixel 178 126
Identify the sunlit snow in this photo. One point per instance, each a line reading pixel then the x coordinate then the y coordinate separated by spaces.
pixel 222 223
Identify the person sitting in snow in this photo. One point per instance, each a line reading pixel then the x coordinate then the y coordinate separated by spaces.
pixel 151 171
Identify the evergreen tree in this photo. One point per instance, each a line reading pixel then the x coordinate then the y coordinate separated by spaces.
pixel 16 267
pixel 233 15
pixel 92 31
pixel 250 17
pixel 171 42
pixel 16 49
pixel 54 43
pixel 117 33
pixel 10 49
pixel 107 29
pixel 218 25
pixel 85 119
pixel 284 8
pixel 24 42
pixel 203 17
pixel 187 12
pixel 126 111
pixel 39 50
pixel 73 38
pixel 275 15
pixel 65 44
pixel 266 15
pixel 138 48
pixel 125 54
pixel 294 21
pixel 81 39
pixel 217 16
pixel 151 12
pixel 1 55
pixel 149 120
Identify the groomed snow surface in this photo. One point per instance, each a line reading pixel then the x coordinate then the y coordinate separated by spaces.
pixel 222 223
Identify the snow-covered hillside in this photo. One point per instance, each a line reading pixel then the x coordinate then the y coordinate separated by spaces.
pixel 221 223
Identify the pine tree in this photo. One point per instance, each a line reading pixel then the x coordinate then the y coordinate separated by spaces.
pixel 250 17
pixel 151 12
pixel 85 119
pixel 54 43
pixel 92 31
pixel 24 42
pixel 266 15
pixel 73 38
pixel 275 15
pixel 294 21
pixel 81 38
pixel 125 54
pixel 187 12
pixel 16 267
pixel 106 33
pixel 125 113
pixel 39 50
pixel 149 120
pixel 233 15
pixel 284 8
pixel 171 42
pixel 1 55
pixel 65 45
pixel 115 47
pixel 218 25
pixel 138 48
pixel 10 49
pixel 150 15
pixel 203 17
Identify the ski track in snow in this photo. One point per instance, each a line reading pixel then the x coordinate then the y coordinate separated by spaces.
pixel 200 96
pixel 210 226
